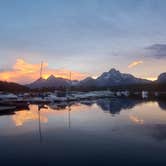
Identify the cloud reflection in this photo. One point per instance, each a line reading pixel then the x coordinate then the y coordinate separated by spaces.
pixel 22 117
pixel 136 120
pixel 113 106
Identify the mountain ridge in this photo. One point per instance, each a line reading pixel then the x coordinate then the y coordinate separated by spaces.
pixel 107 79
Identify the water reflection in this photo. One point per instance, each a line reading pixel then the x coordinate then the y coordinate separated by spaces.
pixel 65 133
pixel 159 132
pixel 115 105
pixel 21 117
pixel 162 104
pixel 136 120
pixel 58 106
pixel 7 113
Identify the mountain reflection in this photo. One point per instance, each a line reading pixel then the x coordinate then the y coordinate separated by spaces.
pixel 108 105
pixel 115 105
pixel 111 105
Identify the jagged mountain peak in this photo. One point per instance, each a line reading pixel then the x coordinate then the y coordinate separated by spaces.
pixel 115 77
pixel 112 73
pixel 51 81
pixel 113 70
pixel 51 77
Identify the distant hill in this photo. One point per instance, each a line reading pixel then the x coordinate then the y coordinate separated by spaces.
pixel 12 87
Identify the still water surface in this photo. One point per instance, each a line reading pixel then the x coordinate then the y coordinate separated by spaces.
pixel 101 132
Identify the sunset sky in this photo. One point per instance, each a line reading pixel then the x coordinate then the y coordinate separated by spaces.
pixel 84 37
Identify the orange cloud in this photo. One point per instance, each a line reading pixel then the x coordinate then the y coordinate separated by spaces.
pixel 24 72
pixel 134 63
pixel 26 68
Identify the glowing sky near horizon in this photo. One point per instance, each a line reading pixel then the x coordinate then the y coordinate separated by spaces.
pixel 87 37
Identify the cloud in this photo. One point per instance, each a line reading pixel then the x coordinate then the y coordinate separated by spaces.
pixel 151 78
pixel 134 64
pixel 24 72
pixel 157 50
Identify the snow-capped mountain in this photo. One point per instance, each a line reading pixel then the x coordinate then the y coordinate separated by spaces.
pixel 162 78
pixel 114 78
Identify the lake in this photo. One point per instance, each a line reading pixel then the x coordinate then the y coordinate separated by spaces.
pixel 117 131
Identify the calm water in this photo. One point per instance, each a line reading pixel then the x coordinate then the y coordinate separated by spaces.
pixel 102 132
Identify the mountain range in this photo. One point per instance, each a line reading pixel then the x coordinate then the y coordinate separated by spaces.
pixel 107 79
pixel 50 82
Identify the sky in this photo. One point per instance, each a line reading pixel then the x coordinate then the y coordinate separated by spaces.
pixel 84 37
